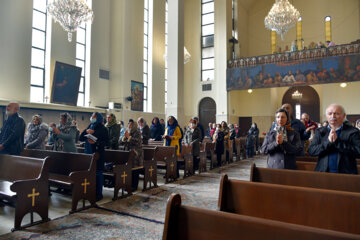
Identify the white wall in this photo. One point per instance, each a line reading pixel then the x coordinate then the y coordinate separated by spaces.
pixel 15 49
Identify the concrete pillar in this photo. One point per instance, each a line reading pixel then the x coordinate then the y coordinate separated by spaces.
pixel 175 57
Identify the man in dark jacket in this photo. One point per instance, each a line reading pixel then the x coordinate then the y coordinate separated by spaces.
pixel 12 132
pixel 337 145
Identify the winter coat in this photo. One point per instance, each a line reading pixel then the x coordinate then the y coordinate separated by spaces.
pixel 193 136
pixel 114 135
pixel 145 134
pixel 36 135
pixel 156 131
pixel 347 145
pixel 12 134
pixel 282 156
pixel 102 135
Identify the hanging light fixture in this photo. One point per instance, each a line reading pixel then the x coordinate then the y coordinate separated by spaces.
pixel 70 14
pixel 281 17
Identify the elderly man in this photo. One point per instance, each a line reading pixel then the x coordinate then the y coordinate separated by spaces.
pixel 310 126
pixel 337 145
pixel 12 132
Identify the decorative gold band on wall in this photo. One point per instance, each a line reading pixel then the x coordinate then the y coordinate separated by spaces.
pixel 328 28
pixel 299 35
pixel 273 41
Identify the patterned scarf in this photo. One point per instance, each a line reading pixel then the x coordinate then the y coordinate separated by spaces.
pixel 112 122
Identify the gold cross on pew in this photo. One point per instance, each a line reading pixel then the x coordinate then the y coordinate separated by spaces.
pixel 151 170
pixel 172 166
pixel 189 162
pixel 85 183
pixel 124 176
pixel 33 195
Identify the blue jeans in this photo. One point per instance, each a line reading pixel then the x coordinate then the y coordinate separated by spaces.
pixel 99 183
pixel 250 152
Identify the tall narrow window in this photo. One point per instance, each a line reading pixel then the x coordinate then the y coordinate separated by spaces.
pixel 81 61
pixel 147 76
pixel 38 52
pixel 166 50
pixel 207 40
pixel 82 56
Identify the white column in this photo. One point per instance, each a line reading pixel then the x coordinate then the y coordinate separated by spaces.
pixel 175 101
pixel 222 51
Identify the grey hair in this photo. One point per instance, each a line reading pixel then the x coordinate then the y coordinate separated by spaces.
pixel 336 105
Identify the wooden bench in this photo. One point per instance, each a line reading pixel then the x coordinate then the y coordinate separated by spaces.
pixel 240 148
pixel 310 166
pixel 193 223
pixel 320 208
pixel 331 181
pixel 210 154
pixel 186 161
pixel 166 158
pixel 24 184
pixel 150 168
pixel 314 159
pixel 230 150
pixel 120 174
pixel 202 157
pixel 71 171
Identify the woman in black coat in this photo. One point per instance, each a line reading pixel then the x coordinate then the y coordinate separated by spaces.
pixel 218 139
pixel 282 143
pixel 156 130
pixel 99 131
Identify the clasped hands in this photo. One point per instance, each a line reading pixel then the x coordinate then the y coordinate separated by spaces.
pixel 332 135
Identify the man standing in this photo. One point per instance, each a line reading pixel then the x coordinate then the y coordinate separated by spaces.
pixel 309 125
pixel 12 132
pixel 337 145
pixel 298 126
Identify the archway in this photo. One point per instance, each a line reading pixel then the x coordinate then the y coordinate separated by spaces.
pixel 306 99
pixel 207 111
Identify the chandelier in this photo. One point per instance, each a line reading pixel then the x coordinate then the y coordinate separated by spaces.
pixel 70 14
pixel 296 95
pixel 282 17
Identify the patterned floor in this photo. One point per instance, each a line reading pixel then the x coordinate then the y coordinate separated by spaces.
pixel 140 216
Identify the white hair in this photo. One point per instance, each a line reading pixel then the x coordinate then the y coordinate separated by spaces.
pixel 337 105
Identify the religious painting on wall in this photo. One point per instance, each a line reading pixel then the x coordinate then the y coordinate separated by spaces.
pixel 137 95
pixel 295 73
pixel 65 85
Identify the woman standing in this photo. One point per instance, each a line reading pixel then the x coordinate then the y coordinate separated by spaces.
pixel 254 130
pixel 144 130
pixel 193 137
pixel 114 131
pixel 282 143
pixel 99 131
pixel 64 136
pixel 218 139
pixel 173 134
pixel 37 132
pixel 156 130
pixel 132 141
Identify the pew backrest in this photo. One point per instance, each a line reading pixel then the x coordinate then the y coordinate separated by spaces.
pixel 331 181
pixel 327 209
pixel 63 162
pixel 193 223
pixel 310 166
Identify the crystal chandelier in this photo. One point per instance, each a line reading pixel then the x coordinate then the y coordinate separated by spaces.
pixel 282 17
pixel 70 14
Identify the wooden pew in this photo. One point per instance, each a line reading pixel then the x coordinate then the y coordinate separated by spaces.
pixel 166 158
pixel 331 181
pixel 314 159
pixel 150 168
pixel 193 223
pixel 230 150
pixel 186 161
pixel 210 154
pixel 72 171
pixel 327 209
pixel 120 175
pixel 310 166
pixel 24 185
pixel 202 158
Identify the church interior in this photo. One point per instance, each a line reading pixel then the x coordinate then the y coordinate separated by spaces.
pixel 211 59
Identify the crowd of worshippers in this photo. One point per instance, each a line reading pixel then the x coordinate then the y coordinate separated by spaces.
pixel 336 142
